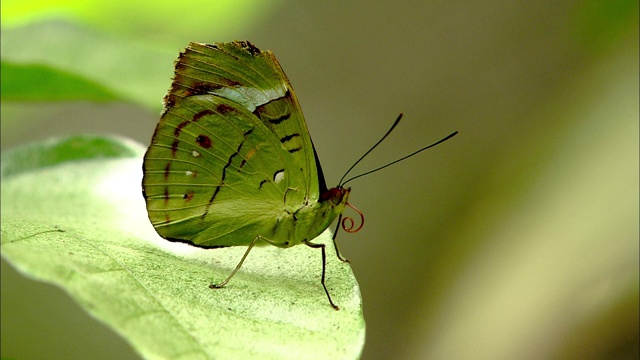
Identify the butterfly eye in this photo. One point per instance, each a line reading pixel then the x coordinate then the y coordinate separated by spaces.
pixel 335 195
pixel 336 200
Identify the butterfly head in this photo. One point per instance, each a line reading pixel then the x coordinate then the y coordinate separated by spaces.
pixel 337 197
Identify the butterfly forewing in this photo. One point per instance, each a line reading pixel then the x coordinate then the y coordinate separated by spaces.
pixel 231 151
pixel 254 79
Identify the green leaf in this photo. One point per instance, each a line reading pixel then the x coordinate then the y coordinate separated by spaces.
pixel 79 222
pixel 134 72
pixel 52 152
pixel 38 156
pixel 111 44
pixel 43 83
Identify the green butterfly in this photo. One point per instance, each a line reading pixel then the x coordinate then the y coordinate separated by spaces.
pixel 231 162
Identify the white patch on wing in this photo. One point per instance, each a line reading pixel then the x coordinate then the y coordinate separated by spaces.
pixel 250 97
pixel 277 178
pixel 195 153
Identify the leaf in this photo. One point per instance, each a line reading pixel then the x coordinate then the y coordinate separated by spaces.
pixel 56 151
pixel 34 82
pixel 111 44
pixel 80 223
pixel 132 72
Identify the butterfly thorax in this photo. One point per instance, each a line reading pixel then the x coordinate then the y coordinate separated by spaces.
pixel 312 219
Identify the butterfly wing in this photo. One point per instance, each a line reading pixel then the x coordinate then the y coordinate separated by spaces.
pixel 231 155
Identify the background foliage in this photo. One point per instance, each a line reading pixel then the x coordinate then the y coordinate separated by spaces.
pixel 517 239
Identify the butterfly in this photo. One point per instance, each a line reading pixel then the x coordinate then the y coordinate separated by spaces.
pixel 231 162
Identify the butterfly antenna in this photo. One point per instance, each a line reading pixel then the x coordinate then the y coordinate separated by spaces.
pixel 340 183
pixel 402 158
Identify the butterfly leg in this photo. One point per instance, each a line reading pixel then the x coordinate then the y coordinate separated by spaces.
pixel 222 284
pixel 324 266
pixel 335 244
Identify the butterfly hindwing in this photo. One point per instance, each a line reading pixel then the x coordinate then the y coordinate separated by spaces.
pixel 231 152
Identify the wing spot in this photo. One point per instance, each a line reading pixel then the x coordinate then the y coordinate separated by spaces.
pixel 204 141
pixel 174 147
pixel 167 169
pixel 289 137
pixel 188 196
pixel 295 150
pixel 178 129
pixel 278 176
pixel 262 183
pixel 195 154
pixel 224 108
pixel 280 119
pixel 197 88
pixel 202 113
pixel 191 173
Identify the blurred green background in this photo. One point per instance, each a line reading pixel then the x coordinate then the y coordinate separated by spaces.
pixel 519 238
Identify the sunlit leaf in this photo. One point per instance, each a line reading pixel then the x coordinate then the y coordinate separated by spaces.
pixel 81 224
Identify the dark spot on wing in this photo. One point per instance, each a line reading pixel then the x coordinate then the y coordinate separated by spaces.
pixel 204 141
pixel 295 149
pixel 174 147
pixel 224 109
pixel 167 168
pixel 202 113
pixel 289 137
pixel 178 129
pixel 262 183
pixel 188 196
pixel 280 119
pixel 200 88
pixel 231 83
